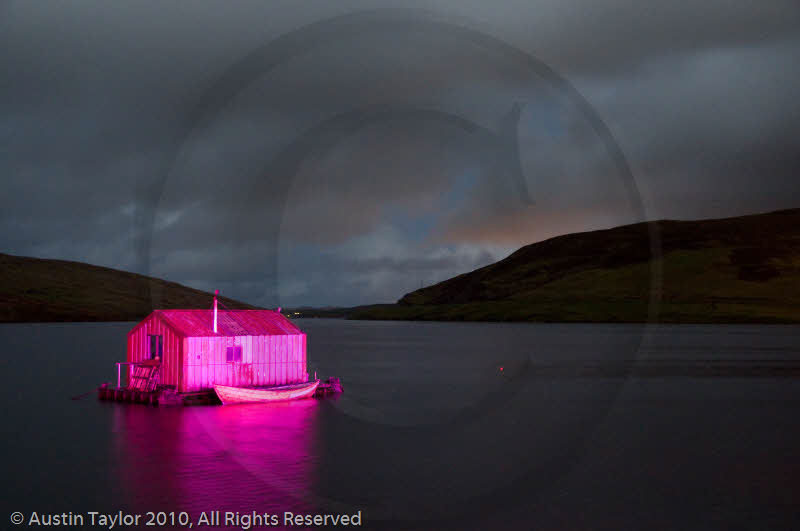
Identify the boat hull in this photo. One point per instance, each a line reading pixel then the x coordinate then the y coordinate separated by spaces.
pixel 247 395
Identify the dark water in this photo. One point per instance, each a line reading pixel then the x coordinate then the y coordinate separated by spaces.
pixel 429 434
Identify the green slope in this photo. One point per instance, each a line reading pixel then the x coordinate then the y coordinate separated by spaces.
pixel 743 269
pixel 33 289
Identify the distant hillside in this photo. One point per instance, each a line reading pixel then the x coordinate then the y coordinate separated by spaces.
pixel 330 312
pixel 34 289
pixel 743 269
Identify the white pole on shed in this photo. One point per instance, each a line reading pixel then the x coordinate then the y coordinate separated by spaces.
pixel 216 292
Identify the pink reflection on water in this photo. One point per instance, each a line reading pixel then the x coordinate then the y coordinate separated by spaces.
pixel 258 457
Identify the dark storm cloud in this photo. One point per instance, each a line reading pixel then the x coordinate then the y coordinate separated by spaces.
pixel 96 98
pixel 715 133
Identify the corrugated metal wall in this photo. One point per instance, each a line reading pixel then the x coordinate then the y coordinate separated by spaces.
pixel 266 360
pixel 139 348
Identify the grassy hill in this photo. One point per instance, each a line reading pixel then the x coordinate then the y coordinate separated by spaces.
pixel 33 289
pixel 742 269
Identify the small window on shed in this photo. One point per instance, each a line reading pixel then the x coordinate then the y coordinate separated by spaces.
pixel 233 353
pixel 156 346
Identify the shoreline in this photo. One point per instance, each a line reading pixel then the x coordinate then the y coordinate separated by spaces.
pixel 423 320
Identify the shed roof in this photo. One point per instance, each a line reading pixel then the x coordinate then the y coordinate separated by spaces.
pixel 192 323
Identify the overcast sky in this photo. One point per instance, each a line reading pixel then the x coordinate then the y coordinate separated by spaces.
pixel 318 155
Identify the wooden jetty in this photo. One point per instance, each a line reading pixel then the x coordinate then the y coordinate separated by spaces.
pixel 144 388
pixel 330 386
pixel 167 396
pixel 162 396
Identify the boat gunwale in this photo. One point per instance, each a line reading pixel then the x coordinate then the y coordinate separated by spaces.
pixel 271 388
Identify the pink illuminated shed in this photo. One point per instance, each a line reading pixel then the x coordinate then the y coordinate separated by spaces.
pixel 249 348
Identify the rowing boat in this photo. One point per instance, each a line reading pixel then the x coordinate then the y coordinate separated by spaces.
pixel 243 395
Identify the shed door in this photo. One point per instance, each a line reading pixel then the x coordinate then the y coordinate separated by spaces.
pixel 156 347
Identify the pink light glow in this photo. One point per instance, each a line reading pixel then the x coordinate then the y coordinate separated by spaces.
pixel 252 457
